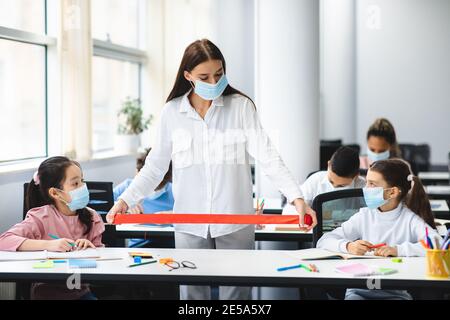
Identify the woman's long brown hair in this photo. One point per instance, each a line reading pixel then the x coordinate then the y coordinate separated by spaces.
pixel 198 52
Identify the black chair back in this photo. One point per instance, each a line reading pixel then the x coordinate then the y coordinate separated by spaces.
pixel 334 208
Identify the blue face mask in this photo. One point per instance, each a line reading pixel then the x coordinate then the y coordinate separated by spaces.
pixel 374 197
pixel 378 156
pixel 80 198
pixel 211 91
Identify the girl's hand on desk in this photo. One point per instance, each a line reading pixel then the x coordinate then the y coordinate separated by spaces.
pixel 83 244
pixel 60 245
pixel 303 208
pixel 358 247
pixel 386 251
pixel 119 207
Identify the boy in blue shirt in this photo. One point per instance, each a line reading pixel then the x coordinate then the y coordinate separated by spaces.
pixel 160 200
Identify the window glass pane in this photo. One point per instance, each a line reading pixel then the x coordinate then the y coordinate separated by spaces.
pixel 22 101
pixel 28 15
pixel 116 21
pixel 113 82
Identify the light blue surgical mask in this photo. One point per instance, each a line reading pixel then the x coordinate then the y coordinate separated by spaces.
pixel 209 91
pixel 80 198
pixel 378 156
pixel 374 197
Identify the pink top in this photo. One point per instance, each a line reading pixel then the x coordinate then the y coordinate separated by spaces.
pixel 364 162
pixel 41 221
pixel 38 223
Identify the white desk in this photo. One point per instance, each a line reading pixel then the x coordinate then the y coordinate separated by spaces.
pixel 434 177
pixel 226 267
pixel 439 206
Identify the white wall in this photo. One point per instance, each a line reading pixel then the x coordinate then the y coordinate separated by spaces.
pixel 403 71
pixel 11 184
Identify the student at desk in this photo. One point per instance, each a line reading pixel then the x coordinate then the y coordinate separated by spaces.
pixel 342 173
pixel 381 143
pixel 210 130
pixel 56 199
pixel 397 214
pixel 160 200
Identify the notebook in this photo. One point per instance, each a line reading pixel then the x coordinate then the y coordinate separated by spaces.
pixel 321 254
pixel 43 255
pixel 80 263
pixel 361 270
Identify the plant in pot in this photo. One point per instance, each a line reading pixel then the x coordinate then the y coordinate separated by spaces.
pixel 132 123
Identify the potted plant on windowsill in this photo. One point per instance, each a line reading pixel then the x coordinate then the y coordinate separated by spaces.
pixel 132 123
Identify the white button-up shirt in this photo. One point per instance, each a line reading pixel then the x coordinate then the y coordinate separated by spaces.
pixel 211 161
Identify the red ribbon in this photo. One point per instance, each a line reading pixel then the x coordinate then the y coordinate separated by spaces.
pixel 208 218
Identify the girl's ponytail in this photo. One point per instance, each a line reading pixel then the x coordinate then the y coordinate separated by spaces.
pixel 417 200
pixel 34 197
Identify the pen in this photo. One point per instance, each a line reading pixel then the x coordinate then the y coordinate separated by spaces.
pixel 56 237
pixel 262 205
pixel 141 264
pixel 294 267
pixel 423 243
pixel 375 246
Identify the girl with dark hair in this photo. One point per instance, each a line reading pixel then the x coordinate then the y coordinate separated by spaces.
pixel 398 213
pixel 381 143
pixel 209 130
pixel 56 202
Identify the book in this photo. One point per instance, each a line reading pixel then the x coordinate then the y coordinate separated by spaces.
pixel 361 270
pixel 321 254
pixel 43 255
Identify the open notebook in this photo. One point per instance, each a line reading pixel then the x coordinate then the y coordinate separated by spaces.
pixel 42 255
pixel 321 254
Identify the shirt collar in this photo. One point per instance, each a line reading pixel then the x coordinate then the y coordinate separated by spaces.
pixel 185 105
pixel 390 215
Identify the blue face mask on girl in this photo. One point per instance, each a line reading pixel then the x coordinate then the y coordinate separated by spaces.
pixel 80 198
pixel 374 197
pixel 378 156
pixel 211 91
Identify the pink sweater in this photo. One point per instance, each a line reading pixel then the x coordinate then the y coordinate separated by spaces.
pixel 38 223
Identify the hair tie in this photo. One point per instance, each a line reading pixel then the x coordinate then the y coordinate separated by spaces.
pixel 410 177
pixel 36 178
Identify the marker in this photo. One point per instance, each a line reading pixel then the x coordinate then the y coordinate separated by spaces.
pixel 141 264
pixel 424 244
pixel 57 238
pixel 375 246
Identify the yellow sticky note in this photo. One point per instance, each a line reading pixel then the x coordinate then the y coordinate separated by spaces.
pixel 48 264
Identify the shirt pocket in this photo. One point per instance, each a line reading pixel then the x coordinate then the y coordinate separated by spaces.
pixel 182 152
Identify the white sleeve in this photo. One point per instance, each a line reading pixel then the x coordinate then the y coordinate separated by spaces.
pixel 413 248
pixel 262 150
pixel 156 166
pixel 337 239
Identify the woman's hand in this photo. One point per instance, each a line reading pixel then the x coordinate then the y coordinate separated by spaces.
pixel 119 207
pixel 137 209
pixel 386 251
pixel 303 208
pixel 83 244
pixel 359 247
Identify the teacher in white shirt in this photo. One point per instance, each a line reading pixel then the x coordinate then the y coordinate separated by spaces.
pixel 209 130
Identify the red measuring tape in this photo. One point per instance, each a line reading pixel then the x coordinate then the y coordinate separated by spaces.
pixel 210 218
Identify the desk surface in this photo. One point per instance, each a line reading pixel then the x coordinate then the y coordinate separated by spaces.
pixel 434 175
pixel 438 190
pixel 230 267
pixel 439 206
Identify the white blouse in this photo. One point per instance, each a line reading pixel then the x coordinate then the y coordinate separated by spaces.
pixel 211 161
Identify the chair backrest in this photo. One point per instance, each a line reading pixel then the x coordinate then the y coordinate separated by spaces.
pixel 418 156
pixel 101 197
pixel 334 208
pixel 327 148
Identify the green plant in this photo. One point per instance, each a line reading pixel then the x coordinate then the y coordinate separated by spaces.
pixel 131 117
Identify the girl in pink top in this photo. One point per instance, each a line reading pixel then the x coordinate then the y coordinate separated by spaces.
pixel 56 199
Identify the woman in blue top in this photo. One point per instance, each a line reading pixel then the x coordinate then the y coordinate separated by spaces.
pixel 160 200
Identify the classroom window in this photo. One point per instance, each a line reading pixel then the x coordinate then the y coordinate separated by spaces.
pixel 113 81
pixel 23 79
pixel 27 15
pixel 116 68
pixel 117 21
